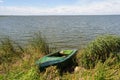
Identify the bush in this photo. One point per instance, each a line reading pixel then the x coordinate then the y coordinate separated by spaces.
pixel 99 49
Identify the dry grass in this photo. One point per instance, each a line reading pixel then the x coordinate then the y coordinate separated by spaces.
pixel 102 53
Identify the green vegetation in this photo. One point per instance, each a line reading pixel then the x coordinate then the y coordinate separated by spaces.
pixel 9 50
pixel 99 50
pixel 39 43
pixel 100 60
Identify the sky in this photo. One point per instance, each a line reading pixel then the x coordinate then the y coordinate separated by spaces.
pixel 59 7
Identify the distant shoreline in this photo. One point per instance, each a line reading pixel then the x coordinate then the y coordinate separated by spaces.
pixel 62 15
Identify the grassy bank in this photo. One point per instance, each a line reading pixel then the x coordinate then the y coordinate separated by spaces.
pixel 100 60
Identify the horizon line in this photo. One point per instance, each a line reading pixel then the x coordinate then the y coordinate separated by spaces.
pixel 66 15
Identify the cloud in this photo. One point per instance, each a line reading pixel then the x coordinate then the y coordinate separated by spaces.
pixel 103 7
pixel 1 1
pixel 23 10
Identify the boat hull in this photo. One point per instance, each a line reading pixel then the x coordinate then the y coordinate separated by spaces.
pixel 62 62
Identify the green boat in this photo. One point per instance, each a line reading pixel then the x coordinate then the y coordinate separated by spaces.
pixel 59 58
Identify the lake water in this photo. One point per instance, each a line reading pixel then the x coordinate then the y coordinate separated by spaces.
pixel 62 31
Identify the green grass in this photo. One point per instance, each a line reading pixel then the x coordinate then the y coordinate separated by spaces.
pixel 102 71
pixel 16 60
pixel 100 60
pixel 99 50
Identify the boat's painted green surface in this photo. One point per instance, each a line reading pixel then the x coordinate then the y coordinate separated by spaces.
pixel 55 58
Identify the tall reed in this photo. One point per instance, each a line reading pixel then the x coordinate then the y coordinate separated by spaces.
pixel 9 50
pixel 99 49
pixel 103 54
pixel 39 43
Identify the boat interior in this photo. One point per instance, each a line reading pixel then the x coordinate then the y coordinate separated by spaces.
pixel 58 54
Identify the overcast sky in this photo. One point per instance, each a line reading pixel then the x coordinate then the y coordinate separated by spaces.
pixel 59 7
